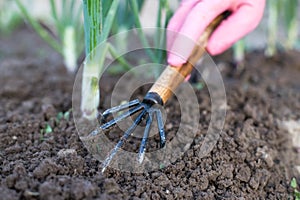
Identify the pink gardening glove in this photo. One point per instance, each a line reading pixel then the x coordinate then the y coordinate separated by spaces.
pixel 193 16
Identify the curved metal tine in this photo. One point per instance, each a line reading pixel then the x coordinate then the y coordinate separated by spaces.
pixel 145 137
pixel 113 152
pixel 121 117
pixel 161 130
pixel 118 108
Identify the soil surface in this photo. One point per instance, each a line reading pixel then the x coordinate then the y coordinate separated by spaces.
pixel 254 158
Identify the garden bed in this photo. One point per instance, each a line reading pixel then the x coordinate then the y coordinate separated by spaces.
pixel 254 157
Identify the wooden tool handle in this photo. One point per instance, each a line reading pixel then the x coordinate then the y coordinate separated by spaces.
pixel 171 77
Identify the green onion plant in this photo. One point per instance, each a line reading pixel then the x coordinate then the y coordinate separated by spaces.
pixel 102 18
pixel 98 19
pixel 67 23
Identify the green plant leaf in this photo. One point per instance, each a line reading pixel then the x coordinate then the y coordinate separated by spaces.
pixel 272 27
pixel 121 60
pixel 297 195
pixel 294 183
pixel 109 19
pixel 161 166
pixel 93 22
pixel 59 116
pixel 199 85
pixel 67 115
pixel 48 129
pixel 106 6
pixel 141 34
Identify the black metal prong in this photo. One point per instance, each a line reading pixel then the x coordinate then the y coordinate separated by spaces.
pixel 161 130
pixel 112 153
pixel 122 116
pixel 118 108
pixel 145 138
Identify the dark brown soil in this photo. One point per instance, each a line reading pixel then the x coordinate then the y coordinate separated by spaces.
pixel 253 159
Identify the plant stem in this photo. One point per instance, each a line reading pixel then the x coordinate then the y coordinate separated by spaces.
pixel 160 34
pixel 109 19
pixel 239 52
pixel 56 19
pixel 158 25
pixel 140 31
pixel 272 27
pixel 69 48
pixel 93 19
pixel 291 21
pixel 96 32
pixel 120 59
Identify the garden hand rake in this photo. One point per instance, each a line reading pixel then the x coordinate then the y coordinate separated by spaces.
pixel 158 94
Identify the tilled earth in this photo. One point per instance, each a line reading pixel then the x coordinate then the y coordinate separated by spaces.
pixel 254 157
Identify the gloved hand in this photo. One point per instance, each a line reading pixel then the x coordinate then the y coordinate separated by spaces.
pixel 193 16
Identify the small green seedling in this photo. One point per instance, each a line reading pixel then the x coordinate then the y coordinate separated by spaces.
pixel 67 115
pixel 161 166
pixel 294 185
pixel 59 116
pixel 48 129
pixel 63 115
pixel 198 86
